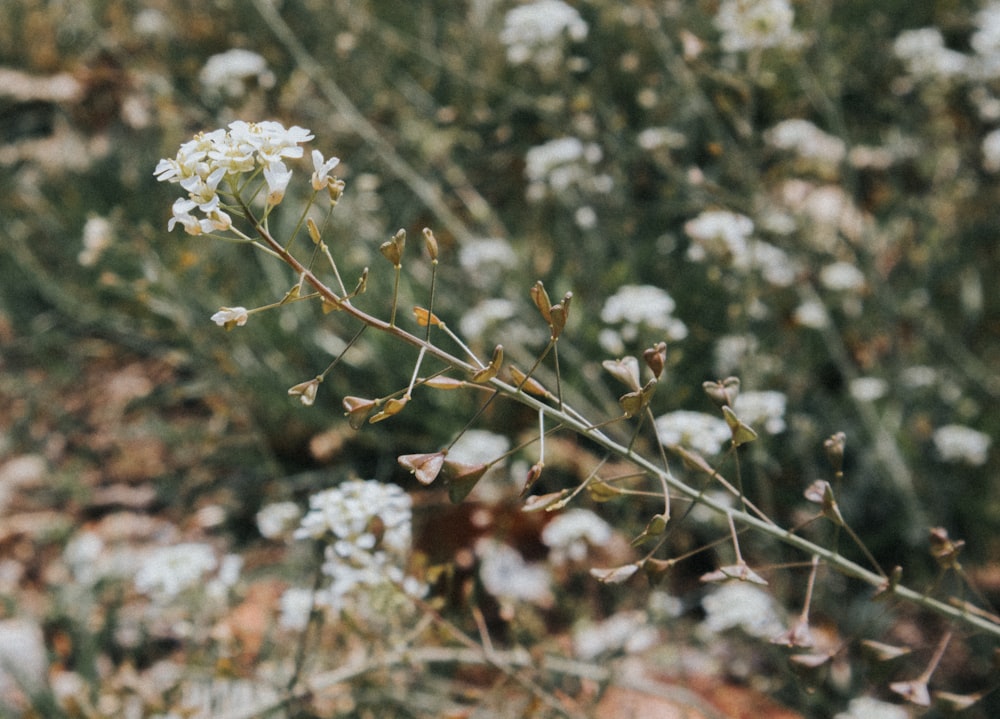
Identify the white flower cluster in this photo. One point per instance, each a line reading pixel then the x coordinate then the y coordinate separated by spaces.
pixel 924 54
pixel 727 236
pixel 701 432
pixel 806 140
pixel 741 605
pixel 508 577
pixel 956 443
pixel 367 525
pixel 628 631
pixel 571 533
pixel 202 164
pixel 561 164
pixel 533 32
pixel 752 24
pixel 168 571
pixel 871 708
pixel 225 73
pixel 632 307
pixel 762 408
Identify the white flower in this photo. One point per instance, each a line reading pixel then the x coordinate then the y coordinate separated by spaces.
pixel 226 71
pixel 486 260
pixel 564 163
pixel 811 314
pixel 842 277
pixel 478 446
pixel 231 316
pixel 278 519
pixel 749 24
pixel 168 571
pixel 321 170
pixel 806 140
pixel 630 631
pixel 534 31
pixel 701 432
pixel 991 151
pixel 925 55
pixel 868 389
pixel 570 533
pixel 478 320
pixel 725 236
pixel 955 443
pixel 506 575
pixel 741 605
pixel 296 606
pixel 766 408
pixel 643 305
pixel 277 177
pixel 869 708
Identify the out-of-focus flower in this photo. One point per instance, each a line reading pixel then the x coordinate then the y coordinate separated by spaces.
pixel 741 605
pixel 486 260
pixel 230 317
pixel 634 307
pixel 571 533
pixel 724 236
pixel 842 277
pixel 811 314
pixel 508 577
pixel 296 607
pixel 870 708
pixel 806 140
pixel 168 571
pixel 991 151
pixel 924 54
pixel 956 443
pixel 751 24
pixel 278 519
pixel 628 631
pixel 562 164
pixel 97 236
pixel 762 408
pixel 478 320
pixel 704 433
pixel 534 32
pixel 868 389
pixel 225 73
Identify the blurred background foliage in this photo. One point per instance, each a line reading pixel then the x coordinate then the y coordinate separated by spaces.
pixel 435 127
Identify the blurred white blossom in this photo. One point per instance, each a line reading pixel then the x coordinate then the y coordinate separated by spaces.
pixel 229 316
pixel 868 389
pixel 740 605
pixel 296 605
pixel 991 151
pixel 870 708
pixel 628 631
pixel 924 54
pixel 956 443
pixel 486 260
pixel 225 73
pixel 535 32
pixel 97 236
pixel 168 571
pixel 751 24
pixel 704 433
pixel 724 236
pixel 762 408
pixel 571 533
pixel 842 277
pixel 508 577
pixel 561 164
pixel 806 140
pixel 811 314
pixel 278 519
pixel 633 307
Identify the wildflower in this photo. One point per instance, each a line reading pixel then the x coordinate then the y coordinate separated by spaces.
pixel 744 606
pixel 868 389
pixel 870 708
pixel 751 24
pixel 991 151
pixel 278 519
pixel 570 534
pixel 635 306
pixel 168 571
pixel 955 443
pixel 225 72
pixel 629 631
pixel 485 260
pixel 230 317
pixel 727 236
pixel 811 314
pixel 842 277
pixel 533 32
pixel 701 432
pixel 277 177
pixel 321 170
pixel 924 54
pixel 806 140
pixel 97 236
pixel 767 408
pixel 296 606
pixel 506 575
pixel 561 164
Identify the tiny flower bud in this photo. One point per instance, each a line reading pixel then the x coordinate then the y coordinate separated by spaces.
pixel 336 190
pixel 625 370
pixel 425 467
pixel 656 358
pixel 431 243
pixel 834 446
pixel 723 392
pixel 944 549
pixel 356 409
pixel 306 391
pixel 742 433
pixel 392 249
pixel 534 474
pixel 313 230
pixel 541 299
pixel 230 317
pixel 444 383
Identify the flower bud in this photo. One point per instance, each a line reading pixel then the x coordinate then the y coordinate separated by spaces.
pixel 541 299
pixel 656 358
pixel 431 243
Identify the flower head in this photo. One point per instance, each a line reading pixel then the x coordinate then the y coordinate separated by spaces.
pixel 230 317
